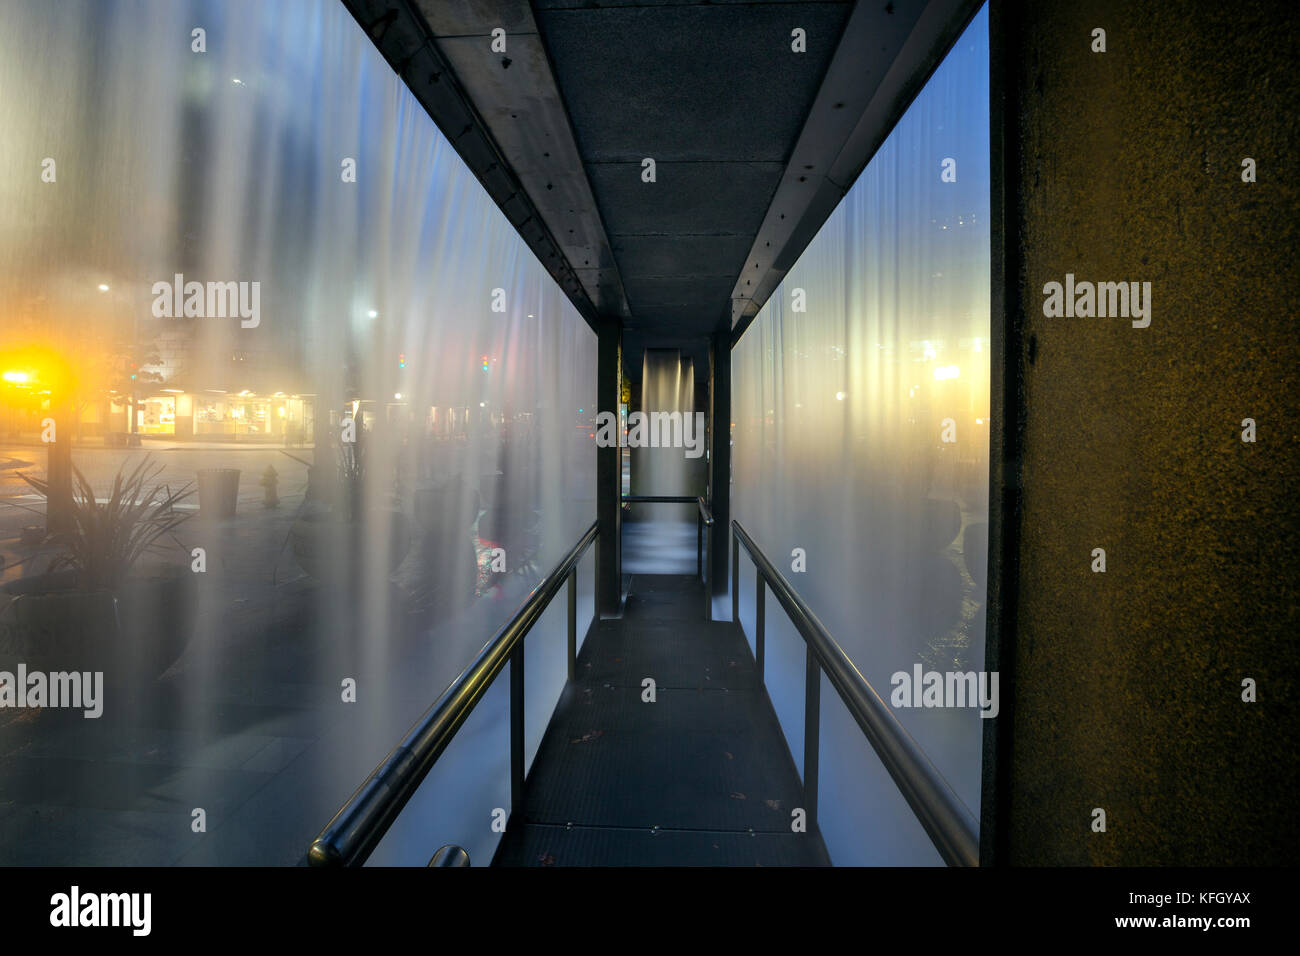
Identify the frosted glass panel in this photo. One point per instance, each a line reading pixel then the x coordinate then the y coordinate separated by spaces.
pixel 861 407
pixel 253 257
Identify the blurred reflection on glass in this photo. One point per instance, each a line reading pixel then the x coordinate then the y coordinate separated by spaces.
pixel 262 265
pixel 861 408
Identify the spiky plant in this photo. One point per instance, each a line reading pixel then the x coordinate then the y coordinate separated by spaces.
pixel 107 539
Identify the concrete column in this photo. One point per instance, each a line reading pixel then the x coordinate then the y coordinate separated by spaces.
pixel 1122 690
pixel 609 476
pixel 720 459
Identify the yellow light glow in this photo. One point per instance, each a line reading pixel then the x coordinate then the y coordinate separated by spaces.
pixel 946 371
pixel 14 377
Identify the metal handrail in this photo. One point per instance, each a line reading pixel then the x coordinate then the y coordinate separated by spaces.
pixel 946 819
pixel 350 837
pixel 705 513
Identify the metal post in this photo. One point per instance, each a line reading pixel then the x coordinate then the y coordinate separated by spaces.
pixel 450 855
pixel 699 544
pixel 706 572
pixel 708 575
pixel 760 616
pixel 811 735
pixel 735 576
pixel 573 622
pixel 517 730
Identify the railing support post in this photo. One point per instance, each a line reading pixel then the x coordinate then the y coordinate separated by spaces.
pixel 706 572
pixel 699 544
pixel 811 735
pixel 517 731
pixel 735 577
pixel 573 622
pixel 760 617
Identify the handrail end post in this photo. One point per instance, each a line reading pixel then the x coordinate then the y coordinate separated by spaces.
pixel 450 855
pixel 324 854
pixel 735 576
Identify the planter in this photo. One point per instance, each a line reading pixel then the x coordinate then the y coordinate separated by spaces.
pixel 59 631
pixel 158 616
pixel 446 507
pixel 330 549
pixel 133 636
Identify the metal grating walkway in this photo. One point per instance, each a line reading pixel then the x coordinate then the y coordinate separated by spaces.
pixel 700 777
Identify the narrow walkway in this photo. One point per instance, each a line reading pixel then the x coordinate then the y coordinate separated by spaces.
pixel 700 777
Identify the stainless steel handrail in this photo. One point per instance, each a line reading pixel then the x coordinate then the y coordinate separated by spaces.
pixel 451 856
pixel 350 837
pixel 705 514
pixel 946 819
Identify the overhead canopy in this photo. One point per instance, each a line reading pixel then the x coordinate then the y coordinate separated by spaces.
pixel 758 117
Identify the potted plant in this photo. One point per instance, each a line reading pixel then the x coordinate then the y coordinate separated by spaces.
pixel 72 616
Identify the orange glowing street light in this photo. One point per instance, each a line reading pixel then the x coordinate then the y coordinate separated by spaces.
pixel 38 366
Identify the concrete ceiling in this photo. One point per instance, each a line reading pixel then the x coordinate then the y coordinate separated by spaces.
pixel 715 96
pixel 754 144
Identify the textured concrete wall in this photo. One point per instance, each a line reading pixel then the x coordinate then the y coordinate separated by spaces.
pixel 1128 683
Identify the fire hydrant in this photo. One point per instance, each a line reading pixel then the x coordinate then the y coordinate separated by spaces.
pixel 269 482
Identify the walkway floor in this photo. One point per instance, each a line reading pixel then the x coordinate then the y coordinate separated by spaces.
pixel 700 777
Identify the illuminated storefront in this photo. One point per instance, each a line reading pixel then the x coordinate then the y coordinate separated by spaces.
pixel 244 415
pixel 216 416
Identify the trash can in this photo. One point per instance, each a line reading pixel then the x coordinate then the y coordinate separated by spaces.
pixel 218 492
